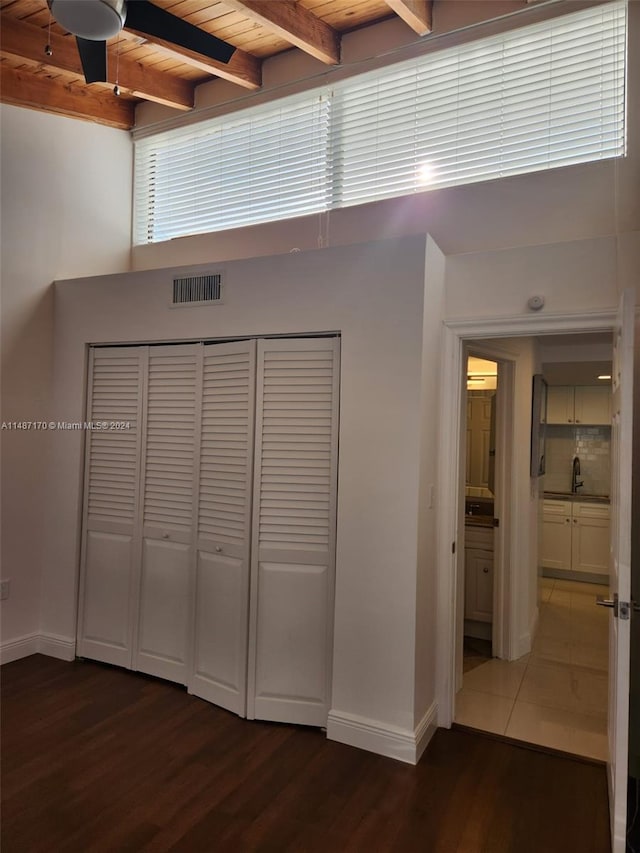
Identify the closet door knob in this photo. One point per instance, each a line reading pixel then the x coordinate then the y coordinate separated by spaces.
pixel 165 535
pixel 218 549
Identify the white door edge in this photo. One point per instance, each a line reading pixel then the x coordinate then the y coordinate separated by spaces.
pixel 620 575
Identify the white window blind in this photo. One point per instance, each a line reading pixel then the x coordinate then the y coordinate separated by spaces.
pixel 253 166
pixel 546 95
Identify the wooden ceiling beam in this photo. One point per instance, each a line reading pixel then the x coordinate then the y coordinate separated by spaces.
pixel 243 68
pixel 418 14
pixel 23 88
pixel 26 42
pixel 294 24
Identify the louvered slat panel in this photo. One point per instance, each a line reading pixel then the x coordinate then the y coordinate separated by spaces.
pixel 113 453
pixel 111 510
pixel 219 671
pixel 296 434
pixel 294 517
pixel 226 445
pixel 170 438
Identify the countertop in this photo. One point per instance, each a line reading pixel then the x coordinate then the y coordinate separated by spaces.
pixel 570 496
pixel 478 520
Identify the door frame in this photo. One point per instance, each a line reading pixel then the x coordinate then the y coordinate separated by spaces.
pixel 456 335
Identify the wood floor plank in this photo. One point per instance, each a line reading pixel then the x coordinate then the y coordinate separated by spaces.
pixel 100 760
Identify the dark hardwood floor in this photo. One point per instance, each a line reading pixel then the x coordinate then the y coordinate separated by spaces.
pixel 100 759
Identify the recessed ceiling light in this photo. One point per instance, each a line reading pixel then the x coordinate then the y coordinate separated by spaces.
pixel 605 376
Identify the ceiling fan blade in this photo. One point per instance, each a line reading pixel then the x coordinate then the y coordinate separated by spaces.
pixel 93 55
pixel 144 17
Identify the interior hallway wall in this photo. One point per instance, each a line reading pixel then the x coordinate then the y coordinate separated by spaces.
pixel 373 294
pixel 426 592
pixel 66 191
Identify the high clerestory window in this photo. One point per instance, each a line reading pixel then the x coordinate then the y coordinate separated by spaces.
pixel 546 95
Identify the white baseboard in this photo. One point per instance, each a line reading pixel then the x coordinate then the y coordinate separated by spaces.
pixel 525 642
pixel 21 647
pixel 426 729
pixel 53 645
pixel 383 739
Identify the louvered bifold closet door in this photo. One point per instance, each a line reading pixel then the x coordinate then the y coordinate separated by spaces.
pixel 169 464
pixel 293 530
pixel 224 524
pixel 111 500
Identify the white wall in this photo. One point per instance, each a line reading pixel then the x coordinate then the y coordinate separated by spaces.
pixel 373 295
pixel 65 211
pixel 426 611
pixel 525 504
pixel 574 277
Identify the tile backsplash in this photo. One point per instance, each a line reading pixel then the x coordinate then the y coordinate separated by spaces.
pixel 592 445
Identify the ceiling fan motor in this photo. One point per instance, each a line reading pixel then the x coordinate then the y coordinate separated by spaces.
pixel 95 20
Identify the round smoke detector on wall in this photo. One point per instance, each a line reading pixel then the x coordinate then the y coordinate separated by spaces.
pixel 536 303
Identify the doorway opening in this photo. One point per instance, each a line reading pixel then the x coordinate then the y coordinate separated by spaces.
pixel 547 682
pixel 480 407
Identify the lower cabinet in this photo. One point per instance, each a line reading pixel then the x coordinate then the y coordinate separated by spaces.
pixel 575 537
pixel 478 574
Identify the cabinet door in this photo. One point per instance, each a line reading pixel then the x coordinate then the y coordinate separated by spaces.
pixel 560 404
pixel 293 532
pixel 111 502
pixel 591 539
pixel 170 438
pixel 556 535
pixel 592 405
pixel 219 668
pixel 478 585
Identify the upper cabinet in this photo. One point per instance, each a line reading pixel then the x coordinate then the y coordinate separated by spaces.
pixel 582 404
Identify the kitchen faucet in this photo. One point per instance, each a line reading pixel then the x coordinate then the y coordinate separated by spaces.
pixel 575 483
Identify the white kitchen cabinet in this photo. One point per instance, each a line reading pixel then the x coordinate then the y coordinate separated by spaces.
pixel 592 404
pixel 582 404
pixel 575 536
pixel 556 535
pixel 590 538
pixel 560 404
pixel 478 569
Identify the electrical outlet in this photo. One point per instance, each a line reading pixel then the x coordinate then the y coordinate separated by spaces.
pixel 4 589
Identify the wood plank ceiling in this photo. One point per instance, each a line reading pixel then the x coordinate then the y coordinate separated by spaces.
pixel 158 70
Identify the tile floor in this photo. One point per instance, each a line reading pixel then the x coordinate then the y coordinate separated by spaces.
pixel 557 695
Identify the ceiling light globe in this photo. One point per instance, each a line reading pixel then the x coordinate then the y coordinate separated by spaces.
pixel 96 20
